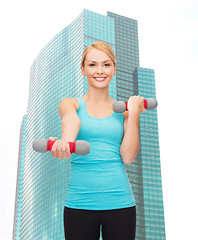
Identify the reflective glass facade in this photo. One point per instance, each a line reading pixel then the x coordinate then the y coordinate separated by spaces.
pixel 56 74
pixel 147 165
pixel 20 178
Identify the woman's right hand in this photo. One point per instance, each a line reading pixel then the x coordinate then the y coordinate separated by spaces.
pixel 60 149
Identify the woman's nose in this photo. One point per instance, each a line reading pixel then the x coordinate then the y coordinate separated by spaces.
pixel 99 70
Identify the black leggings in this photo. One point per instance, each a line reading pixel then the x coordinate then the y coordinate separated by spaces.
pixel 117 224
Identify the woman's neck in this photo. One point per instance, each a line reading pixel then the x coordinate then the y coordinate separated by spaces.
pixel 97 98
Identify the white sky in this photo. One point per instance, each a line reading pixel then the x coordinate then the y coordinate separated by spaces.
pixel 168 37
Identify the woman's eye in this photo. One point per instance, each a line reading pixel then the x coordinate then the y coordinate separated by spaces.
pixel 107 64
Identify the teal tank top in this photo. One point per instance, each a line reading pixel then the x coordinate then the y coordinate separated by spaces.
pixel 98 180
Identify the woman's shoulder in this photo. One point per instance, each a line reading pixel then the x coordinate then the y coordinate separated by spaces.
pixel 67 100
pixel 76 103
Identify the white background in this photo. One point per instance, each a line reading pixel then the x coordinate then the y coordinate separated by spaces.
pixel 168 43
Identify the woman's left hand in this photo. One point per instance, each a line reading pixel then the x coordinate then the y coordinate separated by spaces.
pixel 136 103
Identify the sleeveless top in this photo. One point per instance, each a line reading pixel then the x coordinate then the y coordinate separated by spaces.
pixel 98 180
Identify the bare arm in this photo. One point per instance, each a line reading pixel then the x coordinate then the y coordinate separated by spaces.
pixel 130 144
pixel 70 127
pixel 70 120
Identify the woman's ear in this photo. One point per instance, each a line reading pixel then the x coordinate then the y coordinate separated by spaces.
pixel 115 67
pixel 82 70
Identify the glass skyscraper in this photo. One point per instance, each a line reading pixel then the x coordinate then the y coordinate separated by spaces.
pixel 56 74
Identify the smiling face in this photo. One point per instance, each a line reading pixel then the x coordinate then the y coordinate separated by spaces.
pixel 98 68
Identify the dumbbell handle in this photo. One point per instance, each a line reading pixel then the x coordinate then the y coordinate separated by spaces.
pixel 72 145
pixel 121 106
pixel 80 147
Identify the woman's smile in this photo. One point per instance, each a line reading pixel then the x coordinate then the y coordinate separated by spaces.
pixel 100 79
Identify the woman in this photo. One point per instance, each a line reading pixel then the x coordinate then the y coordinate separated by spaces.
pixel 99 192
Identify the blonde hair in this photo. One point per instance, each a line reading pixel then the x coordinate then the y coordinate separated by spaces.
pixel 102 46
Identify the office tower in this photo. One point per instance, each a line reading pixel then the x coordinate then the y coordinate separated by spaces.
pixel 56 74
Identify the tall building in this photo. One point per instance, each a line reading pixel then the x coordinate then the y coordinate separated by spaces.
pixel 56 74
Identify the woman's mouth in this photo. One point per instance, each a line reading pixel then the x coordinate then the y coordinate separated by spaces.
pixel 100 79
